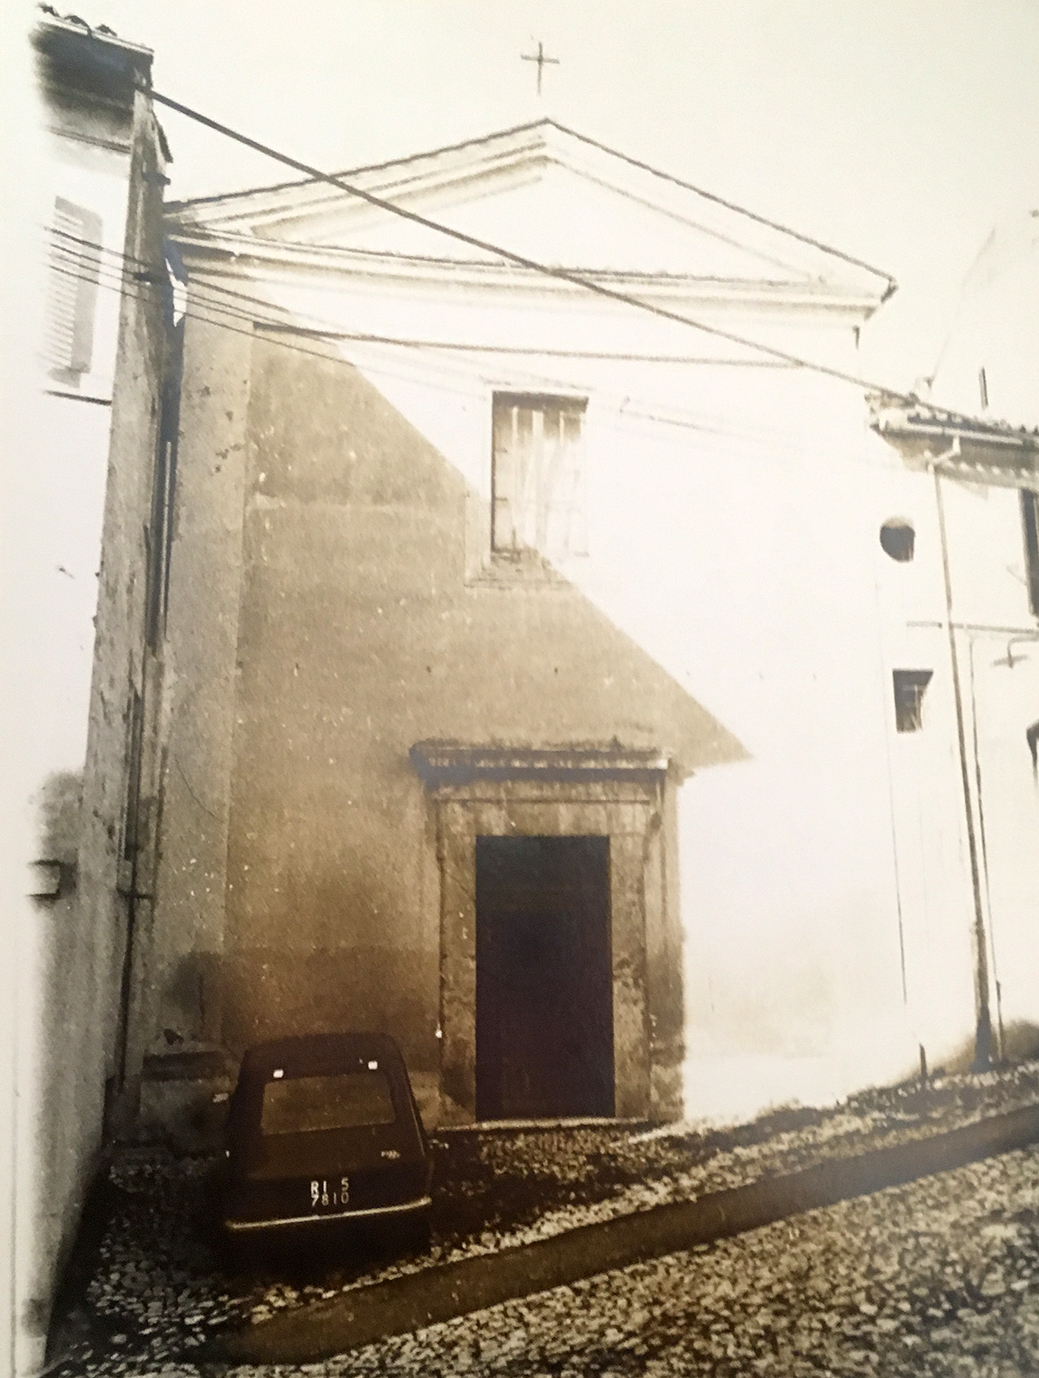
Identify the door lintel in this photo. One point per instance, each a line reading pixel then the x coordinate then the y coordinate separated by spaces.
pixel 449 763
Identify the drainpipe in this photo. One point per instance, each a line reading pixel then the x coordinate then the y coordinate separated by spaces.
pixel 983 1030
pixel 972 640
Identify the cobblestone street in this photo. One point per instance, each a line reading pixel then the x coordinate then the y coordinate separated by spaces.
pixel 939 1277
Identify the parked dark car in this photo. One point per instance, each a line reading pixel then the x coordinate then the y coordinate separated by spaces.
pixel 325 1142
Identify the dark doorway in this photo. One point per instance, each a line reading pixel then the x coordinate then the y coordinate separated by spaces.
pixel 544 981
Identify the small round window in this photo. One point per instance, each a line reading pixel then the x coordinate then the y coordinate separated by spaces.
pixel 897 537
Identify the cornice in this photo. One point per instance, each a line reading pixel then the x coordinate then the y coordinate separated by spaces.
pixel 235 256
pixel 520 154
pixel 448 763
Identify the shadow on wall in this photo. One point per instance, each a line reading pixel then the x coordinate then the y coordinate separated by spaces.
pixel 193 1012
pixel 58 823
pixel 374 615
pixel 358 552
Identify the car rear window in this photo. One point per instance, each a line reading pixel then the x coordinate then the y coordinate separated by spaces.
pixel 344 1100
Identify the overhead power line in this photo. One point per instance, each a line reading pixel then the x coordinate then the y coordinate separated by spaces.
pixel 238 322
pixel 566 275
pixel 215 290
pixel 246 320
pixel 275 332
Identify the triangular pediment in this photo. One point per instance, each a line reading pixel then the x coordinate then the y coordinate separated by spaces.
pixel 543 192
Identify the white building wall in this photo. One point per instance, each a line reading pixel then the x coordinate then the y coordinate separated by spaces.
pixel 67 449
pixel 58 443
pixel 731 524
pixel 995 329
pixel 825 883
pixel 999 700
pixel 733 516
pixel 71 435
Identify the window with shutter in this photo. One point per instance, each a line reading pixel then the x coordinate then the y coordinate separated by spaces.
pixel 74 272
pixel 537 482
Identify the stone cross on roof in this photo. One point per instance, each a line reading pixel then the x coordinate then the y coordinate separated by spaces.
pixel 540 58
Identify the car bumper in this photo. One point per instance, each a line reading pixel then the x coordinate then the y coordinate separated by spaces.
pixel 293 1222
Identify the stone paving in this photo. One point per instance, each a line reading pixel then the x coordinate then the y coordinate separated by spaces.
pixel 157 1293
pixel 940 1277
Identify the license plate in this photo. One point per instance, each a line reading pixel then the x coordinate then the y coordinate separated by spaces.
pixel 329 1193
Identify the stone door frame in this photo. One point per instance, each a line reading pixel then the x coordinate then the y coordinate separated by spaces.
pixel 479 791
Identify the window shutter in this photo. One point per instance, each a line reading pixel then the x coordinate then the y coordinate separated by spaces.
pixel 75 263
pixel 566 527
pixel 503 479
pixel 537 475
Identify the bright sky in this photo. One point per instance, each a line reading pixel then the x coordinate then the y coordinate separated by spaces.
pixel 899 131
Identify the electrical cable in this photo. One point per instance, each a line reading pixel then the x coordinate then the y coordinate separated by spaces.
pixel 271 324
pixel 729 205
pixel 566 275
pixel 245 324
pixel 200 291
pixel 414 343
pixel 113 280
pixel 477 348
pixel 592 143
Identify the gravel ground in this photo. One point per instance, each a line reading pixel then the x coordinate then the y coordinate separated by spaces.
pixel 156 1291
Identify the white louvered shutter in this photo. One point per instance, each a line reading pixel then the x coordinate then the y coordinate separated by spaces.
pixel 75 260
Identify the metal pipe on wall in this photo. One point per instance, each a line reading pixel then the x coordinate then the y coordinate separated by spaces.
pixel 983 1027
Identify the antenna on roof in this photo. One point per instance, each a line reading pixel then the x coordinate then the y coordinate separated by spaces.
pixel 540 58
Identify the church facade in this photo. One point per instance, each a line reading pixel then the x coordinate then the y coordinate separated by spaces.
pixel 530 649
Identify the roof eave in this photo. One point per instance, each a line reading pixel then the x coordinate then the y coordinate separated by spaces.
pixel 963 446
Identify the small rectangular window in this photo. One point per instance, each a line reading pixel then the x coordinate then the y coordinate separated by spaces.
pixel 909 688
pixel 75 265
pixel 1030 523
pixel 537 477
